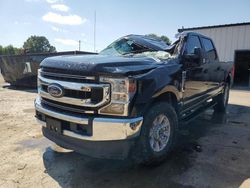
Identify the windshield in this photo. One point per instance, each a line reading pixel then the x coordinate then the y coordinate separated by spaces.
pixel 136 45
pixel 124 46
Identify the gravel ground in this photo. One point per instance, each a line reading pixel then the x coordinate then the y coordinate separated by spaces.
pixel 213 151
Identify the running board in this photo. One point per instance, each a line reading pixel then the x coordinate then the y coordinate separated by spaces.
pixel 193 114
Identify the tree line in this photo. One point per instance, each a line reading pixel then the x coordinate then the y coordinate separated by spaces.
pixel 34 44
pixel 163 37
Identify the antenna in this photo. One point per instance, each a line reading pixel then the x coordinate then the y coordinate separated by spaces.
pixel 79 45
pixel 94 30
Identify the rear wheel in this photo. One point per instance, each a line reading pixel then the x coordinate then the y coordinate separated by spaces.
pixel 158 133
pixel 222 100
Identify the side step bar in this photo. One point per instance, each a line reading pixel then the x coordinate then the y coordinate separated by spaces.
pixel 191 115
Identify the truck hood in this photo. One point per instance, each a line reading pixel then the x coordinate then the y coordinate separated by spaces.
pixel 100 64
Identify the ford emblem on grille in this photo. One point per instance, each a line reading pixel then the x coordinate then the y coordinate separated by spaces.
pixel 55 90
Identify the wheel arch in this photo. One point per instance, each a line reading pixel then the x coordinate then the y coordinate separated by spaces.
pixel 170 95
pixel 229 80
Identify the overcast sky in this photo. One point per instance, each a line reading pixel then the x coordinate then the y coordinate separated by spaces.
pixel 65 22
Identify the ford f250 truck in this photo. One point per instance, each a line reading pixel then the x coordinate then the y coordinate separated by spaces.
pixel 131 98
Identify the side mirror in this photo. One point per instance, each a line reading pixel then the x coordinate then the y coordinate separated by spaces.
pixel 198 52
pixel 195 58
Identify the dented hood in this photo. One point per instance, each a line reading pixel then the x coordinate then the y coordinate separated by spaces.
pixel 111 63
pixel 100 64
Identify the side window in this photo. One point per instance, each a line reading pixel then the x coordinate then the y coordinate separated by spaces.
pixel 209 48
pixel 192 42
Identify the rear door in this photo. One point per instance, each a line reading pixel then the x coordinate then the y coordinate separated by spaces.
pixel 213 66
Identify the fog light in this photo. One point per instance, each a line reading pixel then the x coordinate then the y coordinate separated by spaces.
pixel 133 126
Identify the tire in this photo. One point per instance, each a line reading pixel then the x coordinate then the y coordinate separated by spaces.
pixel 222 99
pixel 158 133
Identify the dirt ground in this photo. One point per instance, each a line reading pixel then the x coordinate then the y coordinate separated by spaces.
pixel 214 151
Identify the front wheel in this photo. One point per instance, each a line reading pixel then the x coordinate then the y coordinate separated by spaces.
pixel 222 99
pixel 158 133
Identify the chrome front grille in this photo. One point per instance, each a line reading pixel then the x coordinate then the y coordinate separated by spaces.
pixel 79 96
pixel 67 77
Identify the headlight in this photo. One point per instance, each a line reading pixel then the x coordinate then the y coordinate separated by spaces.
pixel 38 80
pixel 122 92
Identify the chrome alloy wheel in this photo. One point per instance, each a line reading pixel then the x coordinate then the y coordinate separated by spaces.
pixel 159 133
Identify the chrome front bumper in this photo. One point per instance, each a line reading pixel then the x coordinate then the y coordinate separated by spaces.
pixel 103 129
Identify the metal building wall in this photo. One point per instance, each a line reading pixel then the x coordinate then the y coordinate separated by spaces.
pixel 228 39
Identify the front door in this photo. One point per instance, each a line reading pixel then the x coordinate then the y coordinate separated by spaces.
pixel 195 85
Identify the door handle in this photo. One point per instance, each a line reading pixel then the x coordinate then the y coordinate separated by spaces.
pixel 218 68
pixel 205 70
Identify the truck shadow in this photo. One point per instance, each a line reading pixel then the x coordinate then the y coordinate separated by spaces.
pixel 75 170
pixel 19 88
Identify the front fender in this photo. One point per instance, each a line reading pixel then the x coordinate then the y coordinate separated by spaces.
pixel 154 83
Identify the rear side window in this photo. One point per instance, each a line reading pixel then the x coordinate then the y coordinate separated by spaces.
pixel 192 43
pixel 209 48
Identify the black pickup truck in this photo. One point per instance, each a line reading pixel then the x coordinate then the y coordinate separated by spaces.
pixel 131 98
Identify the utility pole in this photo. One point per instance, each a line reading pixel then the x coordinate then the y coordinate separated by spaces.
pixel 94 31
pixel 79 45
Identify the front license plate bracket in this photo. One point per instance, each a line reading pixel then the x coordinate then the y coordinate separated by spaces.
pixel 54 125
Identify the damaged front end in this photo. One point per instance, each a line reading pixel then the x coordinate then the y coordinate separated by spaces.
pixel 102 96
